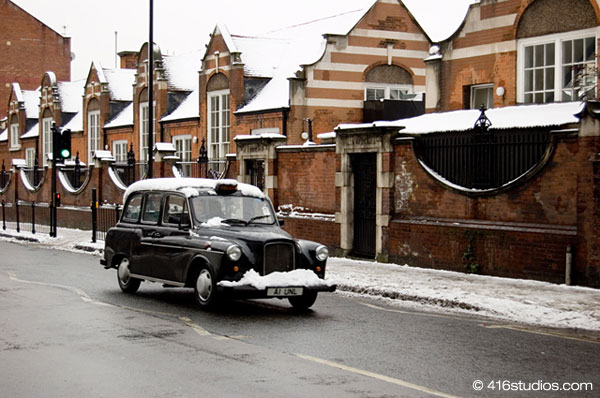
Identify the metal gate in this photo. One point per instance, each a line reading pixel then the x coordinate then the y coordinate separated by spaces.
pixel 364 167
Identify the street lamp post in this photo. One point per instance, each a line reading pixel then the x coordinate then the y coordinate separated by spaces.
pixel 150 82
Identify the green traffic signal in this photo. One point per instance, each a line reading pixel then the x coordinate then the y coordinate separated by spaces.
pixel 65 153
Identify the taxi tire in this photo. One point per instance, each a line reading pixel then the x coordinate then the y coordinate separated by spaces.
pixel 126 282
pixel 205 288
pixel 303 302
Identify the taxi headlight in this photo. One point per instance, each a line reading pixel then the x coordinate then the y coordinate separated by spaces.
pixel 322 253
pixel 234 252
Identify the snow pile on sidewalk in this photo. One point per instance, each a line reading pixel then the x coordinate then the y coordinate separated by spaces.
pixel 504 299
pixel 515 300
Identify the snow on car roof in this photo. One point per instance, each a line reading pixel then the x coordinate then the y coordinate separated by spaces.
pixel 186 185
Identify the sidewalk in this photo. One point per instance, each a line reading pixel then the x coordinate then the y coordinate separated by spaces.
pixel 501 299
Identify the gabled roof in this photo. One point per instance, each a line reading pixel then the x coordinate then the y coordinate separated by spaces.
pixel 30 100
pixel 280 54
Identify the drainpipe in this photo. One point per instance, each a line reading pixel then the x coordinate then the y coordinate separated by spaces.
pixel 568 264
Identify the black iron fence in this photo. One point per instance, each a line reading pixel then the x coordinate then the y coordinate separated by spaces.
pixel 26 216
pixel 103 219
pixel 22 216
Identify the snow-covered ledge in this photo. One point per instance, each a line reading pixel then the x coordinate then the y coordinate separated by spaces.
pixel 103 157
pixel 165 152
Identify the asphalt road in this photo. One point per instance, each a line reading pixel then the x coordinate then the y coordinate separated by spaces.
pixel 67 330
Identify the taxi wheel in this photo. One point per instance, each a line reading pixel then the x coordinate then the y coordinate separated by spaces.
pixel 126 282
pixel 205 288
pixel 303 302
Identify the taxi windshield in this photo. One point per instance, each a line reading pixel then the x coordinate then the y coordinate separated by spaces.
pixel 232 209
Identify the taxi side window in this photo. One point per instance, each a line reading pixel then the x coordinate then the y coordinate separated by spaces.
pixel 133 209
pixel 175 210
pixel 152 208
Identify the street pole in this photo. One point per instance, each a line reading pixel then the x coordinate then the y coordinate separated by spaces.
pixel 53 228
pixel 151 93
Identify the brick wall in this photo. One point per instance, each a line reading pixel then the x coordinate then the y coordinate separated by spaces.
pixel 29 48
pixel 306 178
pixel 521 233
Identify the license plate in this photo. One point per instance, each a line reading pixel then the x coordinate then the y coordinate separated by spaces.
pixel 284 291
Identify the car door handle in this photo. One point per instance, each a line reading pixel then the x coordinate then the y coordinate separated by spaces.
pixel 155 234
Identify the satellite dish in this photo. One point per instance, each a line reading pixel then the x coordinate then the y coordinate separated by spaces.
pixel 304 135
pixel 72 56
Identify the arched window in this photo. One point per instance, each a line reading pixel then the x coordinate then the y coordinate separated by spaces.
pixel 388 82
pixel 14 133
pixel 218 119
pixel 46 134
pixel 144 126
pixel 93 127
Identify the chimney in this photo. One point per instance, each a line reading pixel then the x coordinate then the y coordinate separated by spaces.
pixel 128 59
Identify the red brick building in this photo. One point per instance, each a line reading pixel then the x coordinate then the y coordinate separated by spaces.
pixel 29 48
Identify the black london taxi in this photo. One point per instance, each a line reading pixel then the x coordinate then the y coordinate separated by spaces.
pixel 219 237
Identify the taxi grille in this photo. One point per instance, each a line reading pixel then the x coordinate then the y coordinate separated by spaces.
pixel 278 257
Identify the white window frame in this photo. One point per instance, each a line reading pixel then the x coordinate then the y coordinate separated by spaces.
pixel 183 149
pixel 93 134
pixel 47 136
pixel 119 151
pixel 218 132
pixel 387 90
pixel 556 39
pixel 14 137
pixel 144 119
pixel 490 100
pixel 30 157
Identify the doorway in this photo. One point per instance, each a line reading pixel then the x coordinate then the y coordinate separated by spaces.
pixel 364 168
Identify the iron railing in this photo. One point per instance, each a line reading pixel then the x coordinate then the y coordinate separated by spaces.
pixel 26 216
pixel 483 161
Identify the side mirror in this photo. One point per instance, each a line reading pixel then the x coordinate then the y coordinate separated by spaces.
pixel 184 222
pixel 281 222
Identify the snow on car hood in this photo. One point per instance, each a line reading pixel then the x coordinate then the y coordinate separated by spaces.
pixel 297 278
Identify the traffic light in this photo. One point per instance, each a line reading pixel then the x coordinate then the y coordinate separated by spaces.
pixel 61 143
pixel 57 199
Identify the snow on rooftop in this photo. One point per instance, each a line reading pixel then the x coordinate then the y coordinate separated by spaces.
pixel 32 132
pixel 71 96
pixel 124 118
pixel 509 117
pixel 274 95
pixel 261 55
pixel 31 99
pixel 189 108
pixel 280 54
pixel 76 123
pixel 439 19
pixel 182 70
pixel 181 184
pixel 120 83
